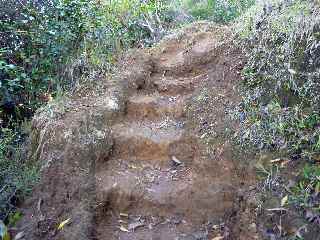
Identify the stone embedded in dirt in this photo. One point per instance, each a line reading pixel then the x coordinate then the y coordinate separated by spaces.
pixel 218 238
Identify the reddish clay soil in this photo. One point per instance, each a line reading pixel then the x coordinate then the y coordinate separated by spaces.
pixel 160 182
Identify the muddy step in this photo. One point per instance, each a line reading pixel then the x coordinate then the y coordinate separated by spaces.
pixel 178 85
pixel 155 106
pixel 170 85
pixel 137 187
pixel 151 228
pixel 180 57
pixel 146 140
pixel 178 194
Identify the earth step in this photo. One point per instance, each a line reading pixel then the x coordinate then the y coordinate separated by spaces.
pixel 167 193
pixel 155 106
pixel 146 140
pixel 154 228
pixel 171 85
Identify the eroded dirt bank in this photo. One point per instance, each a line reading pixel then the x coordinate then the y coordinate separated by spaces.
pixel 130 162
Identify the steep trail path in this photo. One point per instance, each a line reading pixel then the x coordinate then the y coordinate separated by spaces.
pixel 159 182
pixel 146 155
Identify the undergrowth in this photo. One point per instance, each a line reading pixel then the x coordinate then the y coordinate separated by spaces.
pixel 17 176
pixel 280 90
pixel 216 10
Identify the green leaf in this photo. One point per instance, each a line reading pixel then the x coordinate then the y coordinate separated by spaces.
pixel 4 234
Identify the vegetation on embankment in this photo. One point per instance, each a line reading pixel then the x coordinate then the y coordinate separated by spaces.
pixel 51 47
pixel 280 91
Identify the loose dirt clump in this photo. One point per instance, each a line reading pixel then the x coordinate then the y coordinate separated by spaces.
pixel 134 162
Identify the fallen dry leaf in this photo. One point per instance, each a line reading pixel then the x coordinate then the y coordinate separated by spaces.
pixel 284 163
pixel 284 201
pixel 176 160
pixel 124 215
pixel 63 223
pixel 218 238
pixel 123 229
pixel 215 227
pixel 277 209
pixel 19 236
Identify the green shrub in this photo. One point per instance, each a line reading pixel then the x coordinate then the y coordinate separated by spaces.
pixel 305 193
pixel 216 10
pixel 16 175
pixel 280 90
pixel 53 45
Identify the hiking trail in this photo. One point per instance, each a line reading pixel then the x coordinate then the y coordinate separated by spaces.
pixel 159 182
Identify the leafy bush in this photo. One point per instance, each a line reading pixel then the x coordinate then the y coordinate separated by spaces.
pixel 281 92
pixel 215 10
pixel 16 175
pixel 50 45
pixel 305 194
pixel 280 107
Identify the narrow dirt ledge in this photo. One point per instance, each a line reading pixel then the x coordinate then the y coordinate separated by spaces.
pixel 130 163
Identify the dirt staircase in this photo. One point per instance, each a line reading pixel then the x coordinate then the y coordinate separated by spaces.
pixel 128 160
pixel 157 184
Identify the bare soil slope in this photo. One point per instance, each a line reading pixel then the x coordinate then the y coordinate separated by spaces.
pixel 129 162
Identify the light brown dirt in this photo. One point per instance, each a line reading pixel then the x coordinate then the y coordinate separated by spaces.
pixel 159 180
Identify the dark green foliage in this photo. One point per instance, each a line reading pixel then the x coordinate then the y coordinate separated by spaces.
pixel 50 45
pixel 281 79
pixel 305 193
pixel 281 91
pixel 216 10
pixel 16 175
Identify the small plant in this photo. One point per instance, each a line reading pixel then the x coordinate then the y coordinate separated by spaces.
pixel 280 90
pixel 306 192
pixel 16 175
pixel 279 111
pixel 216 10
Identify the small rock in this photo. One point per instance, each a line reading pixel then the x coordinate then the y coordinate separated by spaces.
pixel 176 161
pixel 200 235
pixel 19 236
pixel 135 225
pixel 218 238
pixel 253 227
